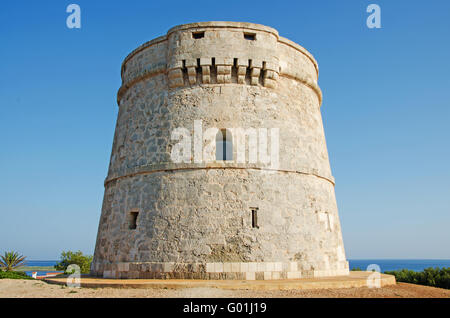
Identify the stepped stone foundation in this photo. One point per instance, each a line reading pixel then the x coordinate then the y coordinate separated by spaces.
pixel 219 219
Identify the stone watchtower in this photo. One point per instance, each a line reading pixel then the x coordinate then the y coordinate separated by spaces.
pixel 256 202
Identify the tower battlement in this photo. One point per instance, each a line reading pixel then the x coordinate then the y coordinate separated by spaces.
pixel 209 53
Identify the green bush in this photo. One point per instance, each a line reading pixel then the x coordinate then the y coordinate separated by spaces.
pixel 434 277
pixel 77 258
pixel 14 275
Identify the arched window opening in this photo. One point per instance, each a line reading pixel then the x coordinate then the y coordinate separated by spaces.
pixel 224 145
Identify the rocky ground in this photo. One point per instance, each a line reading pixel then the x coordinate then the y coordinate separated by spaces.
pixel 32 288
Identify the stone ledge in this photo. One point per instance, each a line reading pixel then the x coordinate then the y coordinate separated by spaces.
pixel 170 166
pixel 354 279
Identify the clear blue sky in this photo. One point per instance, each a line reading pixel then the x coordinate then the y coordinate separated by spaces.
pixel 386 113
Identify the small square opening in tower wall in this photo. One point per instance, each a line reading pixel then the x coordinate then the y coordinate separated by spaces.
pixel 198 35
pixel 250 36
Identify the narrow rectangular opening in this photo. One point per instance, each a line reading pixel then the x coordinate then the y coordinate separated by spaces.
pixel 213 71
pixel 198 35
pixel 234 71
pixel 132 220
pixel 184 71
pixel 248 73
pixel 261 74
pixel 199 72
pixel 250 36
pixel 255 218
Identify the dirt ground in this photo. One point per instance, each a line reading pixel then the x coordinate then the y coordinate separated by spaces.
pixel 31 288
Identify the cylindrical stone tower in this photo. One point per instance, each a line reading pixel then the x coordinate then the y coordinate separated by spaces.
pixel 173 207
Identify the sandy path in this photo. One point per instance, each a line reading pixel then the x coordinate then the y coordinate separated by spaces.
pixel 30 288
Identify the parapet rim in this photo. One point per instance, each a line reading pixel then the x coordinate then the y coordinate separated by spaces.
pixel 300 48
pixel 224 24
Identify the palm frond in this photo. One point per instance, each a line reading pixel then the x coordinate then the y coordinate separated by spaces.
pixel 11 260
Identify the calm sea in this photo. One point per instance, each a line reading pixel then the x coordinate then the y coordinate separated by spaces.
pixel 39 263
pixel 385 264
pixel 396 264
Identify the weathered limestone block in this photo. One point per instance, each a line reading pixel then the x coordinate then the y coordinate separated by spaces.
pixel 242 65
pixel 270 74
pixel 255 67
pixel 191 65
pixel 205 64
pixel 224 70
pixel 175 75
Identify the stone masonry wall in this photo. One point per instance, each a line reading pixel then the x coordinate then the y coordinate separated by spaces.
pixel 194 218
